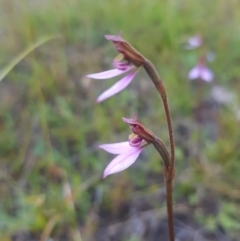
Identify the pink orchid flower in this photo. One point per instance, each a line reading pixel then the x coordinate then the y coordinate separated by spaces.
pixel 127 153
pixel 194 42
pixel 200 71
pixel 121 65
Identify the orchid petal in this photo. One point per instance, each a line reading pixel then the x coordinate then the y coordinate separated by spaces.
pixel 114 38
pixel 194 73
pixel 116 148
pixel 195 41
pixel 109 73
pixel 201 72
pixel 207 74
pixel 117 87
pixel 122 161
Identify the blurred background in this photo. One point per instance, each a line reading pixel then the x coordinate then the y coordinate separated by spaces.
pixel 50 125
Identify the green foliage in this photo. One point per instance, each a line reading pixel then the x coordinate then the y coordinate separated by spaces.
pixel 50 166
pixel 229 216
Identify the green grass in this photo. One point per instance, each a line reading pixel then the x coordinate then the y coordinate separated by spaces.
pixel 51 126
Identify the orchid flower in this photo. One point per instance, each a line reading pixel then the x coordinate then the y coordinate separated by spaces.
pixel 127 153
pixel 128 61
pixel 194 42
pixel 200 71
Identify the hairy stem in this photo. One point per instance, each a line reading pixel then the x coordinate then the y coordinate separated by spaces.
pixel 170 209
pixel 162 150
pixel 169 169
pixel 171 138
pixel 153 74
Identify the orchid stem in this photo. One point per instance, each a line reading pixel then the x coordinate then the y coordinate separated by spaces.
pixel 157 81
pixel 169 170
pixel 170 209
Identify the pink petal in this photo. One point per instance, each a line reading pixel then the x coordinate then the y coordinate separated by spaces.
pixel 114 38
pixel 117 148
pixel 117 87
pixel 195 41
pixel 194 73
pixel 109 73
pixel 206 74
pixel 122 161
